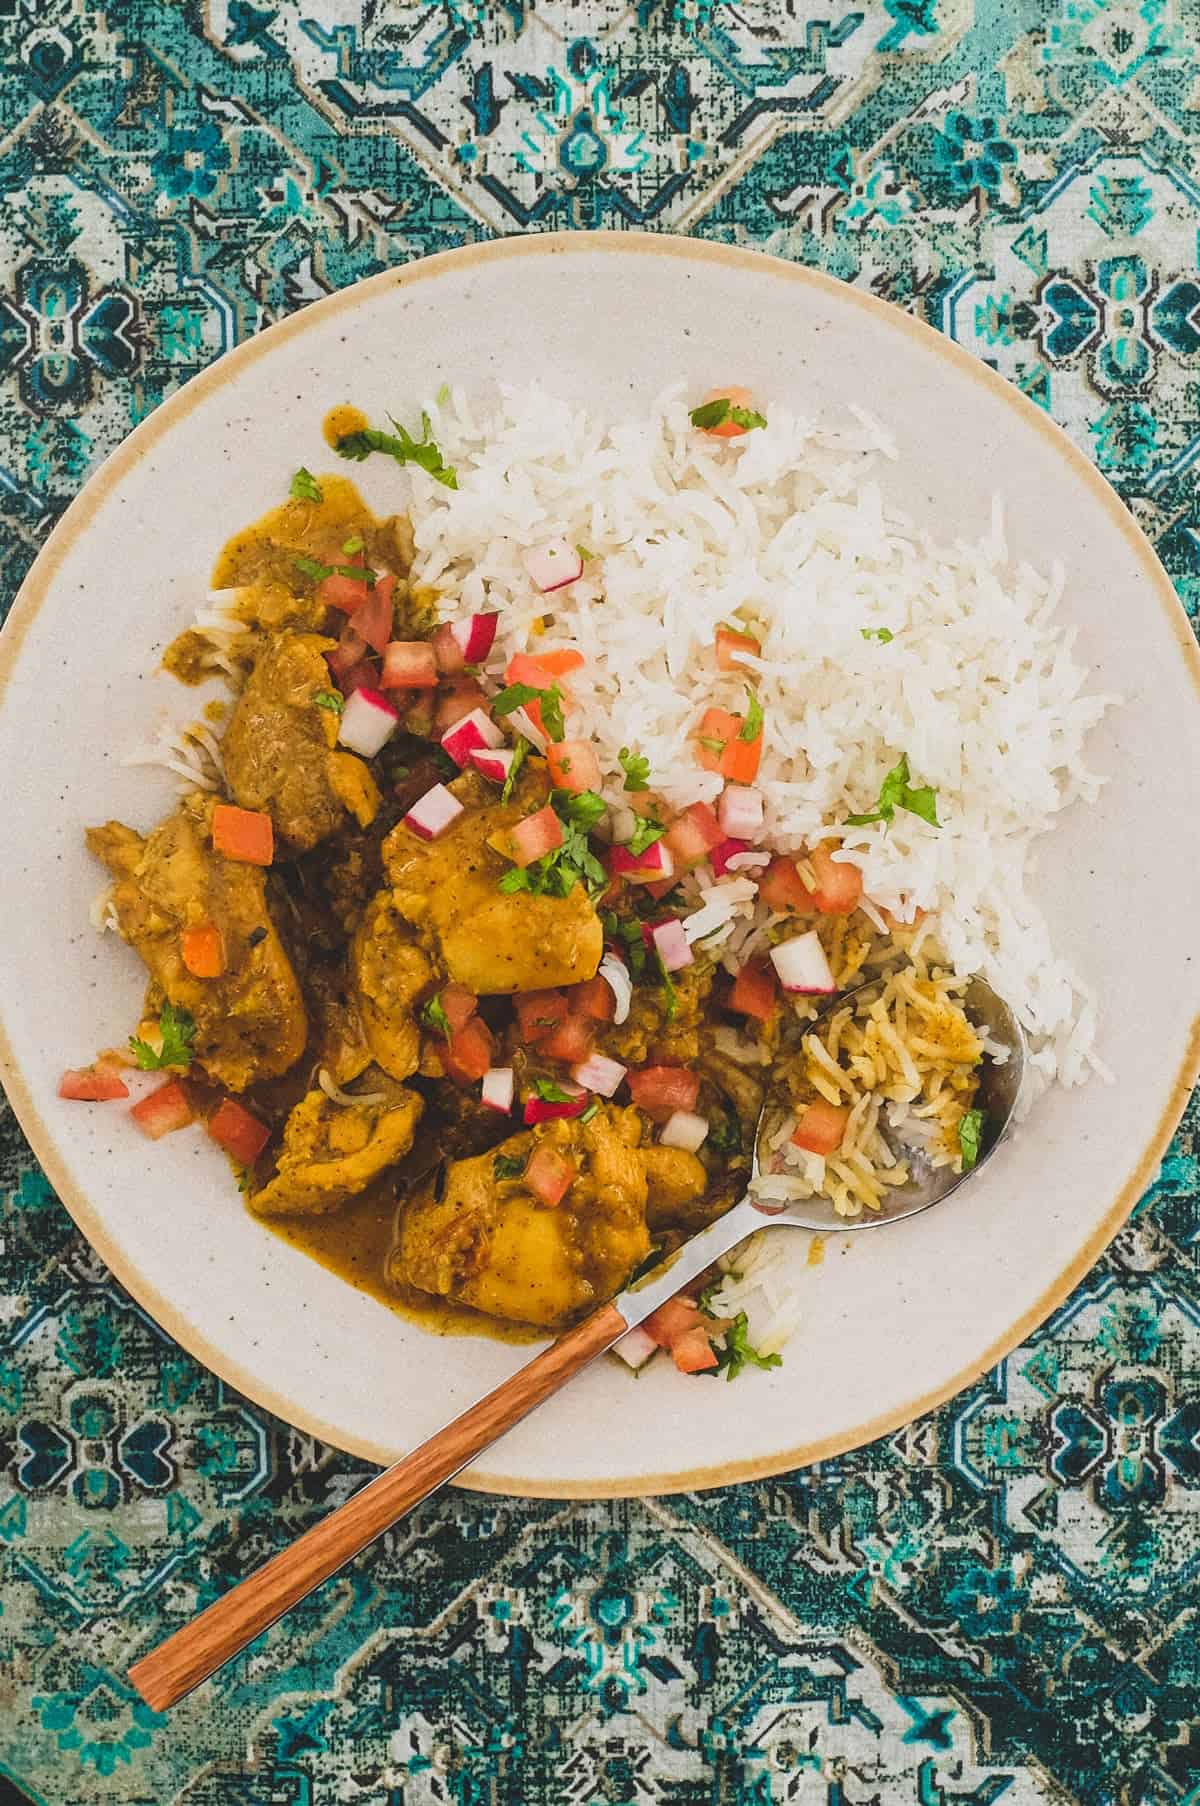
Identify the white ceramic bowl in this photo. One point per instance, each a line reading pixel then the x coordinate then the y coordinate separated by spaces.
pixel 894 1322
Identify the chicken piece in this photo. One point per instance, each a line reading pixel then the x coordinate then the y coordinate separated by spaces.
pixel 486 1241
pixel 279 749
pixel 332 1151
pixel 389 972
pixel 494 944
pixel 675 1180
pixel 251 1022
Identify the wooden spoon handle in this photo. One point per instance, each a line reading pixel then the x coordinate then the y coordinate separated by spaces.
pixel 201 1647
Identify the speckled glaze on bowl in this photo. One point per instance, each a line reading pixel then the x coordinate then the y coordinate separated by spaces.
pixel 893 1323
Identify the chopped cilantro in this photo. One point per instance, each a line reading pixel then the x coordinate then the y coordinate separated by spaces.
pixel 333 700
pixel 883 634
pixel 583 807
pixel 704 1302
pixel 646 832
pixel 725 1135
pixel 304 487
pixel 520 754
pixel 355 543
pixel 636 769
pixel 443 395
pixel 585 554
pixel 312 567
pixel 402 446
pixel 507 1166
pixel 434 1016
pixel 670 994
pixel 716 413
pixel 969 1131
pixel 896 793
pixel 552 1093
pixel 593 1109
pixel 737 1354
pixel 753 724
pixel 515 880
pixel 177 1029
pixel 714 746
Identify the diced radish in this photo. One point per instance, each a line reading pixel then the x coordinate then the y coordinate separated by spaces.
pixel 203 951
pixel 346 594
pixel 446 650
pixel 368 722
pixel 550 1175
pixel 652 863
pixel 475 636
pixel 671 945
pixel 635 1347
pixel 540 1109
pixel 737 398
pixel 781 887
pixel 458 1005
pixel 740 811
pixel 243 834
pixel 527 727
pixel 693 835
pixel 537 1013
pixel 694 1353
pixel 574 765
pixel 164 1110
pixel 497 1091
pixel 662 1090
pixel 536 836
pixel 553 564
pixel 96 1084
pixel 839 884
pixel 594 999
pixel 233 1128
pixel 494 762
pixel 433 813
pixel 720 856
pixel 458 697
pixel 599 1074
pixel 820 1127
pixel 569 1040
pixel 473 733
pixel 409 665
pixel 731 645
pixel 755 991
pixel 802 965
pixel 684 1129
pixel 468 1053
pixel 615 974
pixel 677 1317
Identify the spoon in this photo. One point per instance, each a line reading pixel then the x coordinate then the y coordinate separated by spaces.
pixel 197 1650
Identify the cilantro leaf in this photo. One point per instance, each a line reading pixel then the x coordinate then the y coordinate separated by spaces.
pixel 725 1135
pixel 434 1016
pixel 717 412
pixel 507 1166
pixel 402 446
pixel 333 700
pixel 177 1029
pixel 443 395
pixel 897 793
pixel 752 726
pixel 636 769
pixel 646 831
pixel 970 1130
pixel 520 754
pixel 670 993
pixel 593 1109
pixel 515 880
pixel 514 697
pixel 304 487
pixel 552 715
pixel 883 634
pixel 355 543
pixel 312 567
pixel 737 1353
pixel 552 1093
pixel 583 807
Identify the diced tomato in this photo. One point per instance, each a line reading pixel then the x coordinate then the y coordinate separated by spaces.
pixel 694 1353
pixel 569 1041
pixel 408 665
pixel 661 1090
pixel 693 835
pixel 538 1012
pixel 344 593
pixel 163 1110
pixel 375 618
pixel 677 1317
pixel 96 1084
pixel 755 991
pixel 243 834
pixel 446 650
pixel 820 1127
pixel 233 1128
pixel 717 727
pixel 550 1174
pixel 737 398
pixel 573 765
pixel 741 758
pixel 459 1005
pixel 535 836
pixel 525 668
pixel 203 951
pixel 558 661
pixel 730 643
pixel 468 1054
pixel 351 668
pixel 594 999
pixel 782 887
pixel 457 697
pixel 839 886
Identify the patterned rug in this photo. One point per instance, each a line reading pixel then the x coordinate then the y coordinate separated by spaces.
pixel 999 1602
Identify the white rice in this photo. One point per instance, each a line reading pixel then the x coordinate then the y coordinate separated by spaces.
pixel 789 530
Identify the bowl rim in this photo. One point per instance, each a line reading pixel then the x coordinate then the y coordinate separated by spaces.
pixel 757 265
